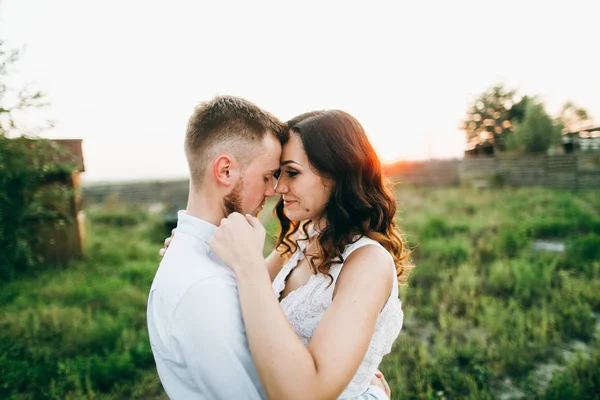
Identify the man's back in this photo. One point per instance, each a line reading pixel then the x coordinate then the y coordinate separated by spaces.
pixel 195 323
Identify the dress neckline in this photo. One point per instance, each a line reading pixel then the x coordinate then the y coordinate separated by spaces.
pixel 298 256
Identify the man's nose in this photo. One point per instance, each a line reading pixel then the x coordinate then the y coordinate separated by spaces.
pixel 270 192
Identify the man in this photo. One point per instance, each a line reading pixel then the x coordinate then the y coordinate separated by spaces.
pixel 194 318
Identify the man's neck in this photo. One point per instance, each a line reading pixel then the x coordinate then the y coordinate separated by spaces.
pixel 204 205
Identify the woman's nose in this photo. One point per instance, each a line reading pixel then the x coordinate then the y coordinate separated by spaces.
pixel 281 187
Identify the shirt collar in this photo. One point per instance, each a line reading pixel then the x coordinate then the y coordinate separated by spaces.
pixel 194 226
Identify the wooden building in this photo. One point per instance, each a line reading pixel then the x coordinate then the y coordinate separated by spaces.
pixel 63 241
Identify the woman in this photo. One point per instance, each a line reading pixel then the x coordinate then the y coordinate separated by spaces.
pixel 334 271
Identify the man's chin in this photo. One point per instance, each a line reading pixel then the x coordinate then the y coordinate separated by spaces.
pixel 254 213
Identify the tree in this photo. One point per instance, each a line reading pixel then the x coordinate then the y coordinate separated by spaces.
pixel 12 101
pixel 492 117
pixel 573 118
pixel 536 134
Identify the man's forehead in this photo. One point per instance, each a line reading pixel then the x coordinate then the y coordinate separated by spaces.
pixel 266 161
pixel 271 152
pixel 272 164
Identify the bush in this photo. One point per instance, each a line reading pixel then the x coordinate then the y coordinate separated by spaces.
pixel 120 217
pixel 451 251
pixel 582 252
pixel 33 196
pixel 532 280
pixel 501 280
pixel 536 133
pixel 562 227
pixel 511 241
pixel 575 320
pixel 435 227
pixel 484 248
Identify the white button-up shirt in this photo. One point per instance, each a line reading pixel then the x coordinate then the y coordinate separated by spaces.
pixel 195 323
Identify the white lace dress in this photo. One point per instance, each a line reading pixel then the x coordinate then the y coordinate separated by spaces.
pixel 305 306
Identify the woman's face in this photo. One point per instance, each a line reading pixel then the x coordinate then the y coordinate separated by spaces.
pixel 305 194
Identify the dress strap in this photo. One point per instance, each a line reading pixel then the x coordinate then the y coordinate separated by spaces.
pixel 363 241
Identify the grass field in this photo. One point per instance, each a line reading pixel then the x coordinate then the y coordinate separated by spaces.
pixel 486 316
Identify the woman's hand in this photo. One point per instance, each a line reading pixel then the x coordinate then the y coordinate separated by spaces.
pixel 238 241
pixel 379 381
pixel 162 251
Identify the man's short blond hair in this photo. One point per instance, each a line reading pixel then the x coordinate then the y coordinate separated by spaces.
pixel 227 123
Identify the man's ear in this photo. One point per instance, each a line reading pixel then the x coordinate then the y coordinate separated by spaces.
pixel 225 170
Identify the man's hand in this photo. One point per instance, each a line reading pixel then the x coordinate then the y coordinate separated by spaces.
pixel 162 251
pixel 237 240
pixel 379 381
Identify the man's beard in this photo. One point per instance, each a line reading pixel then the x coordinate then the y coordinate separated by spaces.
pixel 233 201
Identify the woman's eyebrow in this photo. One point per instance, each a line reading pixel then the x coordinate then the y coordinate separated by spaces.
pixel 286 162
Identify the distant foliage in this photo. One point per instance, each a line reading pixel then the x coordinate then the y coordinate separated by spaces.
pixel 30 174
pixel 13 101
pixel 32 197
pixel 573 118
pixel 492 117
pixel 537 133
pixel 501 119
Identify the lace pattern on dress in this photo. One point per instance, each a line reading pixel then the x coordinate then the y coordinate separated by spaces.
pixel 305 306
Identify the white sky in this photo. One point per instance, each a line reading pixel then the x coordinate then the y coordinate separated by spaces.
pixel 124 75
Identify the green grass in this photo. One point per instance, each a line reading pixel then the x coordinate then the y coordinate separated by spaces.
pixel 80 331
pixel 484 313
pixel 485 316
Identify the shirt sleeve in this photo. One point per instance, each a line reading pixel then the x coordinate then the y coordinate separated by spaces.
pixel 208 334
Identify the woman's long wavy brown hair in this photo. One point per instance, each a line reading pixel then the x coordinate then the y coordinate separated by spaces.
pixel 361 202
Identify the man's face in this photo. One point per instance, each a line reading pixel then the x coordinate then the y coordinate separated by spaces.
pixel 257 181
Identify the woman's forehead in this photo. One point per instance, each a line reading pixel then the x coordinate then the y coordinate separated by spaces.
pixel 293 150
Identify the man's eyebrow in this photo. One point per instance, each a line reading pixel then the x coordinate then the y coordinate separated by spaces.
pixel 286 162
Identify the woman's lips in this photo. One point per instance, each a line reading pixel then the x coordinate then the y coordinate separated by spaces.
pixel 287 203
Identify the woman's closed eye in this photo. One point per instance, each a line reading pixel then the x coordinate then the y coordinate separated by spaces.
pixel 291 173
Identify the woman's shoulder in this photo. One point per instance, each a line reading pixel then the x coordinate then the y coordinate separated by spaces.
pixel 367 256
pixel 368 269
pixel 368 249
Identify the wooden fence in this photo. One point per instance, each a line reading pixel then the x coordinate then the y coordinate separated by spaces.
pixel 568 171
pixel 173 192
